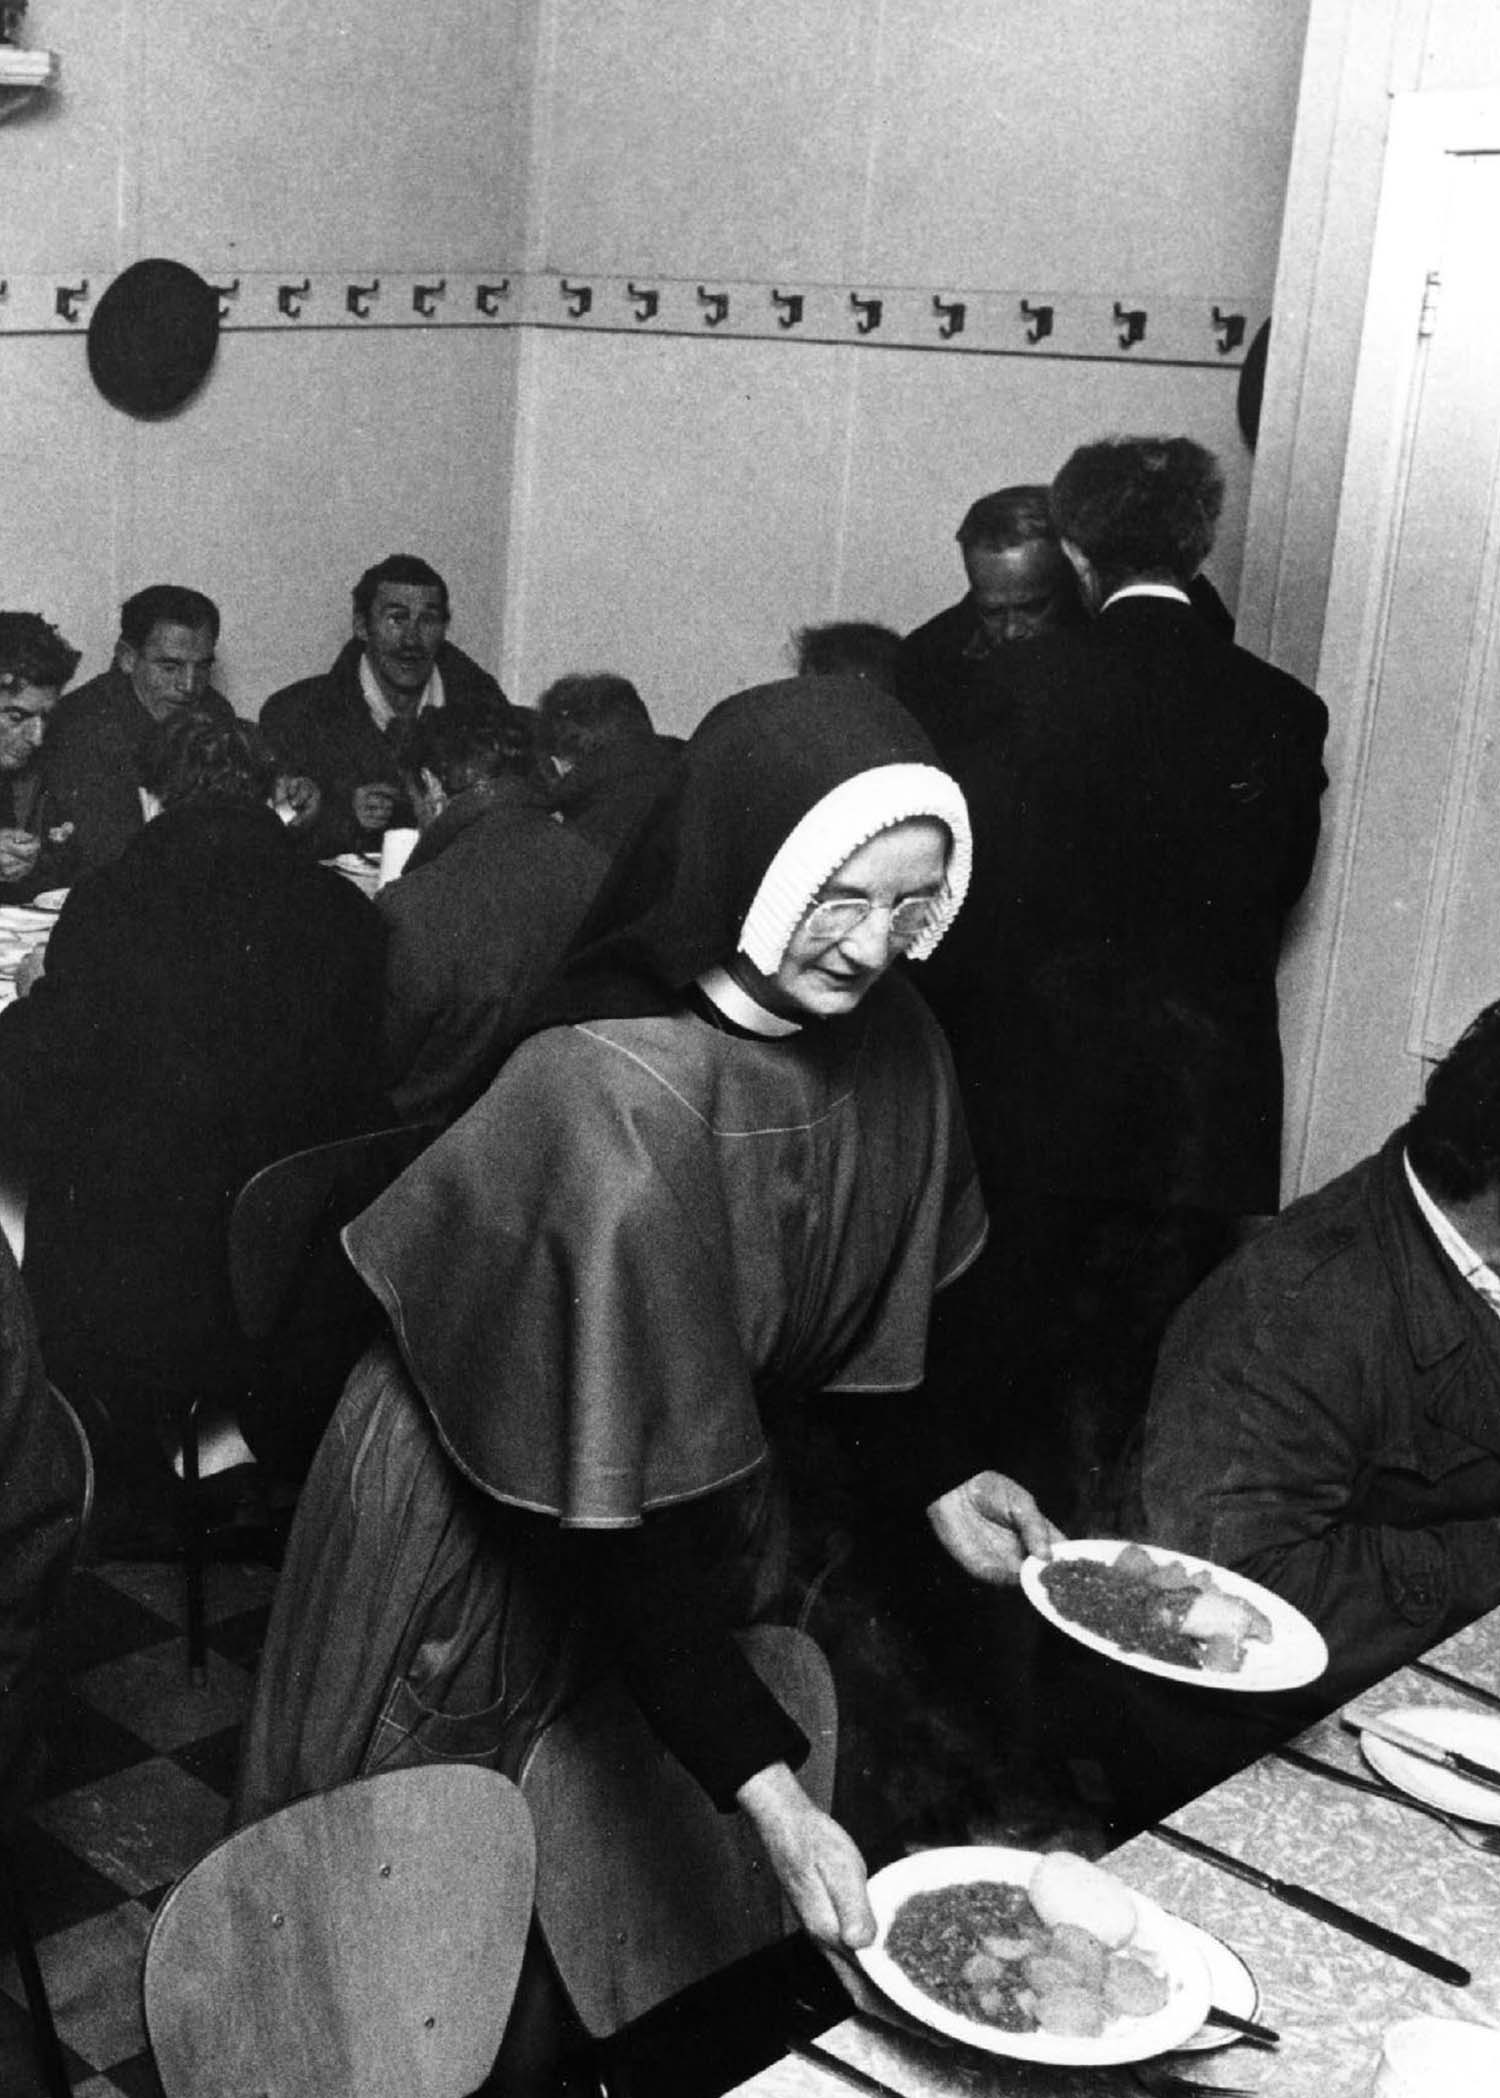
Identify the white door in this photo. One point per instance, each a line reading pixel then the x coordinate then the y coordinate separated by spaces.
pixel 1404 932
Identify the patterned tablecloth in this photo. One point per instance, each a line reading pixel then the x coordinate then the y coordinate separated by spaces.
pixel 1328 1995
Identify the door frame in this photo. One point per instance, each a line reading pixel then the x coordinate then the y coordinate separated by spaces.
pixel 1426 131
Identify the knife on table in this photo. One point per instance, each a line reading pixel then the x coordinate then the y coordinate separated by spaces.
pixel 1450 1759
pixel 834 2065
pixel 1354 1779
pixel 1319 1905
pixel 1456 1682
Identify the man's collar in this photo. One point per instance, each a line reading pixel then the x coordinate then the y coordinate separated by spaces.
pixel 1480 1277
pixel 382 713
pixel 1169 591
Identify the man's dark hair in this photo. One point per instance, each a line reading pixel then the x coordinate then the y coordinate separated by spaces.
pixel 588 710
pixel 33 653
pixel 397 568
pixel 1453 1139
pixel 194 757
pixel 166 604
pixel 1010 517
pixel 1140 507
pixel 848 647
pixel 461 745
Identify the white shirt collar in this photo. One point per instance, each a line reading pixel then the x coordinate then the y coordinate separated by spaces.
pixel 1476 1272
pixel 736 1004
pixel 1167 590
pixel 382 713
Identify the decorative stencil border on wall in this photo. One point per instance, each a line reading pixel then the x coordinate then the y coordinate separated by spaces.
pixel 1130 327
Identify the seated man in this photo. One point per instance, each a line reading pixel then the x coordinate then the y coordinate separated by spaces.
pixel 36 836
pixel 210 1002
pixel 96 744
pixel 605 761
pixel 341 736
pixel 1326 1411
pixel 489 901
pixel 950 672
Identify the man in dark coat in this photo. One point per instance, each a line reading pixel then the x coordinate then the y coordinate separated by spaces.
pixel 1141 833
pixel 950 672
pixel 604 763
pixel 1326 1413
pixel 1325 1418
pixel 36 834
pixel 481 918
pixel 97 742
pixel 340 737
pixel 210 1002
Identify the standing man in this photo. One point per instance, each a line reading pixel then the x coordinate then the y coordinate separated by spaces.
pixel 100 735
pixel 36 836
pixel 341 736
pixel 1111 994
pixel 950 672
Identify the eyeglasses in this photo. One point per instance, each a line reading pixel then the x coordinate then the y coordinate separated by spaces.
pixel 828 923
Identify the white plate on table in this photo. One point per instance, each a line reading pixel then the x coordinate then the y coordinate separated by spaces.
pixel 1295 1653
pixel 1176 1945
pixel 1232 1987
pixel 1475 1734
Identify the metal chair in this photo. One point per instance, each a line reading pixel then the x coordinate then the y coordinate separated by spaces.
pixel 26 1694
pixel 361 1943
pixel 297 1301
pixel 644 1888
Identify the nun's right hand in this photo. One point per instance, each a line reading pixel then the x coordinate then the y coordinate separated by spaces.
pixel 819 1866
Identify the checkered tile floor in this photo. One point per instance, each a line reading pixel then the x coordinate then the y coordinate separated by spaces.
pixel 142 1763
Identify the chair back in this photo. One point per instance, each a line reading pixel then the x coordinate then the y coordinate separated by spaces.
pixel 291 1211
pixel 361 1943
pixel 643 1886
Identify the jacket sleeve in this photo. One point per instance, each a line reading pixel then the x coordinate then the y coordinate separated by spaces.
pixel 1272 1407
pixel 698 1692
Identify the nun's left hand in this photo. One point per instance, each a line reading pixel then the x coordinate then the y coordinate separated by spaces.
pixel 989 1525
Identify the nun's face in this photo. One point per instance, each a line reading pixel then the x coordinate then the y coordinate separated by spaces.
pixel 866 915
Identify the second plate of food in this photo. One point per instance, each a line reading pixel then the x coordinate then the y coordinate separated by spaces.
pixel 962 1947
pixel 1134 1602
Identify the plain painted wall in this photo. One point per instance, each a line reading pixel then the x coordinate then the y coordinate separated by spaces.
pixel 671 508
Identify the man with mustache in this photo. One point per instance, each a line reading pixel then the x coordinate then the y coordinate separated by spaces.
pixel 340 737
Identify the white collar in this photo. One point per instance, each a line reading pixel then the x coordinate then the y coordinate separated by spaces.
pixel 736 1004
pixel 1476 1272
pixel 1167 590
pixel 382 713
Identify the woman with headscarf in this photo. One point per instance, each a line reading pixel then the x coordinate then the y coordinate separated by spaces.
pixel 727 1172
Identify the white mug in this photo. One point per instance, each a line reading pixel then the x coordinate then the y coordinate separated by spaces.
pixel 1438 2058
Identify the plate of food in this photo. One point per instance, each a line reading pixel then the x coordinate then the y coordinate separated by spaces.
pixel 1475 1734
pixel 1175 1616
pixel 1231 1985
pixel 1044 1957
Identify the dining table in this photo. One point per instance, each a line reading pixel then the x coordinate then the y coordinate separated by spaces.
pixel 1328 1995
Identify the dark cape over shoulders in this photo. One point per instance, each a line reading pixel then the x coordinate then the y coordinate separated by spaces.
pixel 645 1224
